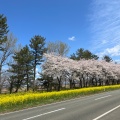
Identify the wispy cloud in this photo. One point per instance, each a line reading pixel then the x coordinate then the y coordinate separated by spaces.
pixel 71 38
pixel 105 26
pixel 114 51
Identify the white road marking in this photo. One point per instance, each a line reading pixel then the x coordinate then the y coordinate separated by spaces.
pixel 106 113
pixel 44 114
pixel 103 97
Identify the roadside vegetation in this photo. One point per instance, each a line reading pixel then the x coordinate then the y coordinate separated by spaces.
pixel 42 65
pixel 44 69
pixel 12 102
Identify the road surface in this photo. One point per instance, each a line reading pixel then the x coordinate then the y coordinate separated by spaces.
pixel 103 106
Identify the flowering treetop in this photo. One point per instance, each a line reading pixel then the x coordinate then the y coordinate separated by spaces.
pixel 57 66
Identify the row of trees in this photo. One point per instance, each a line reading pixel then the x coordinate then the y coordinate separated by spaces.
pixel 23 68
pixel 86 54
pixel 18 64
pixel 83 72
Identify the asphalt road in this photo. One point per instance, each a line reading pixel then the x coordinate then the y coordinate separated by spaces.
pixel 103 106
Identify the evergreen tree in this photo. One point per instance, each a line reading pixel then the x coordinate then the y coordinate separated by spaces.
pixel 17 77
pixel 7 45
pixel 27 62
pixel 3 30
pixel 17 69
pixel 22 69
pixel 107 58
pixel 37 45
pixel 83 54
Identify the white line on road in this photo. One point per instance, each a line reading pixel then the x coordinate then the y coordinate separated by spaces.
pixel 106 113
pixel 44 114
pixel 103 97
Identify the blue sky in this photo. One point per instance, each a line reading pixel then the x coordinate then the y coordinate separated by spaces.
pixel 88 24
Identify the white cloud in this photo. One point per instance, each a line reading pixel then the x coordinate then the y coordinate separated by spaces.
pixel 71 38
pixel 105 26
pixel 104 42
pixel 114 51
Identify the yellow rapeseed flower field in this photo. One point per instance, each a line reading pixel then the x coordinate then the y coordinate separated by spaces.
pixel 13 100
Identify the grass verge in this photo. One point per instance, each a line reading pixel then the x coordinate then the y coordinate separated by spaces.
pixel 13 102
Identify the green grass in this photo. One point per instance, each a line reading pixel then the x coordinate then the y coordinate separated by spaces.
pixel 18 101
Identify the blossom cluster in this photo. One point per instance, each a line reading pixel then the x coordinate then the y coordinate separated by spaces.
pixel 58 66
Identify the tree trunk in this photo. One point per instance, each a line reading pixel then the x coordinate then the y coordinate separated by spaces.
pixel 11 87
pixel 95 82
pixel 18 86
pixel 0 80
pixel 70 80
pixel 48 85
pixel 34 78
pixel 84 83
pixel 113 82
pixel 100 82
pixel 0 88
pixel 59 83
pixel 65 84
pixel 27 82
pixel 92 82
pixel 80 84
pixel 74 84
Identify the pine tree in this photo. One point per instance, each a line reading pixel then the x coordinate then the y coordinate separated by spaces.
pixel 17 70
pixel 27 62
pixel 83 54
pixel 22 69
pixel 3 30
pixel 107 58
pixel 3 39
pixel 37 45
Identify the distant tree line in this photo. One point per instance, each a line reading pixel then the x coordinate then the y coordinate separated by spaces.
pixel 18 63
pixel 80 73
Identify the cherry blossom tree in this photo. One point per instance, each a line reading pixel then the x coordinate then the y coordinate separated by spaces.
pixel 86 72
